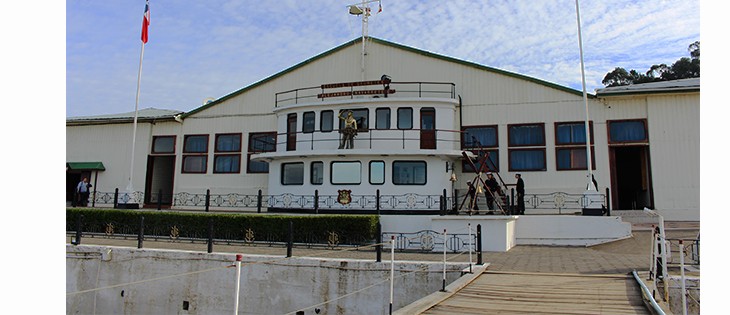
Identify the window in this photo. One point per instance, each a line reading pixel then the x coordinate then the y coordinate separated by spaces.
pixel 292 173
pixel 382 118
pixel 573 158
pixel 308 122
pixel 326 118
pixel 409 172
pixel 527 147
pixel 360 115
pixel 195 158
pixel 342 173
pixel 228 153
pixel 527 160
pixel 480 140
pixel 405 118
pixel 479 160
pixel 570 146
pixel 527 135
pixel 291 132
pixel 163 144
pixel 377 172
pixel 479 137
pixel 316 173
pixel 623 131
pixel 259 142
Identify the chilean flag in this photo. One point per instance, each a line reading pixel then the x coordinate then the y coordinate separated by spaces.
pixel 146 21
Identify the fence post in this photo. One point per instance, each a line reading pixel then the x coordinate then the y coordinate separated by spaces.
pixel 207 200
pixel 479 244
pixel 159 200
pixel 258 201
pixel 608 202
pixel 454 204
pixel 316 201
pixel 140 234
pixel 116 198
pixel 290 241
pixel 79 221
pixel 379 241
pixel 210 235
pixel 377 201
pixel 443 204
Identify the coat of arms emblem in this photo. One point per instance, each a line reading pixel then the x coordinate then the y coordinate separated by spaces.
pixel 343 196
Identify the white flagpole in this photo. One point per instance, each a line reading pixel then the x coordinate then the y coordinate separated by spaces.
pixel 589 161
pixel 130 188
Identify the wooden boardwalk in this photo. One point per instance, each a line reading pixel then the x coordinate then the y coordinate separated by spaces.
pixel 545 293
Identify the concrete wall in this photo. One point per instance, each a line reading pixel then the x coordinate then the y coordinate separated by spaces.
pixel 150 281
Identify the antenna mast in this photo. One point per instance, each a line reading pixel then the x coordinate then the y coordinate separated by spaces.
pixel 363 9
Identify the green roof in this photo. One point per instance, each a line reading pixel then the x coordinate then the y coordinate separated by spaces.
pixel 399 46
pixel 85 166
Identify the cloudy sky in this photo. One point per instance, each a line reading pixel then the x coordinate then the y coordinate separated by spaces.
pixel 202 49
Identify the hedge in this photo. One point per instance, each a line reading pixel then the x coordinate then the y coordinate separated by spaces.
pixel 349 229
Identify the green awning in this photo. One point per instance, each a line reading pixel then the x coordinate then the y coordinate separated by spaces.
pixel 85 166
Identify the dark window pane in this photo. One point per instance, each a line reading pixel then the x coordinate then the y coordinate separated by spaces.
pixel 292 174
pixel 257 166
pixel 409 173
pixel 196 144
pixel 317 173
pixel 326 120
pixel 262 142
pixel 525 135
pixel 382 118
pixel 527 160
pixel 476 137
pixel 627 131
pixel 194 164
pixel 360 115
pixel 164 145
pixel 405 118
pixel 308 122
pixel 228 143
pixel 479 159
pixel 573 133
pixel 227 164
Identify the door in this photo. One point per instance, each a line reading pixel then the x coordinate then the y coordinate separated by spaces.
pixel 630 178
pixel 428 128
pixel 291 132
pixel 159 182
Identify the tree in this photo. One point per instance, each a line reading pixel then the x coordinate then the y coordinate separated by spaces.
pixel 681 69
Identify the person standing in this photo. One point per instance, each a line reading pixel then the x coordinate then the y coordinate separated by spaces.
pixel 472 192
pixel 493 190
pixel 520 194
pixel 82 189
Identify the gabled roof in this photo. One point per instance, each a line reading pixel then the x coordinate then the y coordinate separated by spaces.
pixel 143 115
pixel 673 86
pixel 391 44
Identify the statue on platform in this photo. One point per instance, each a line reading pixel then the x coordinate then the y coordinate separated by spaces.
pixel 350 131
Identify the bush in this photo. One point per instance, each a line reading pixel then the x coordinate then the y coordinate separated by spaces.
pixel 314 229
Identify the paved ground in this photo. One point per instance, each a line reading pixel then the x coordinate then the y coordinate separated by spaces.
pixel 619 257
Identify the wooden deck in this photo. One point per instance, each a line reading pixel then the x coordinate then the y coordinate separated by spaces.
pixel 541 293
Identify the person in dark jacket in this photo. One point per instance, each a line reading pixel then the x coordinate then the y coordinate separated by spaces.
pixel 520 194
pixel 493 190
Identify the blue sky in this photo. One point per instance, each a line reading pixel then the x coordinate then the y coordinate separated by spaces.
pixel 203 49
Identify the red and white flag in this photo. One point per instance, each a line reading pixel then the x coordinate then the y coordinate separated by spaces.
pixel 146 22
pixel 380 7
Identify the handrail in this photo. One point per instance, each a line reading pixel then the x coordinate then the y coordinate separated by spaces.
pixel 647 295
pixel 316 91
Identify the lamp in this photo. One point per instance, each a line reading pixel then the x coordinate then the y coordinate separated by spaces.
pixel 354 10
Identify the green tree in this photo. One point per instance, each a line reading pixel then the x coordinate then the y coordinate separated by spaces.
pixel 681 69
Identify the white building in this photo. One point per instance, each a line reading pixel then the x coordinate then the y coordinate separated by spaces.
pixel 281 136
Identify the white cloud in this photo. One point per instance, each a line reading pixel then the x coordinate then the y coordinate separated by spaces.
pixel 209 49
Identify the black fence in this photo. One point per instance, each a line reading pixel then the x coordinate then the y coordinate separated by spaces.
pixel 548 203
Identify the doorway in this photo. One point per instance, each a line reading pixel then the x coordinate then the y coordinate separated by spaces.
pixel 630 178
pixel 159 182
pixel 428 128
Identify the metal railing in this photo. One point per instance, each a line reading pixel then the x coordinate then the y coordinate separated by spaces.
pixel 401 89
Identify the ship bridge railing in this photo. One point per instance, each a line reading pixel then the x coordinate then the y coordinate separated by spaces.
pixel 368 138
pixel 362 89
